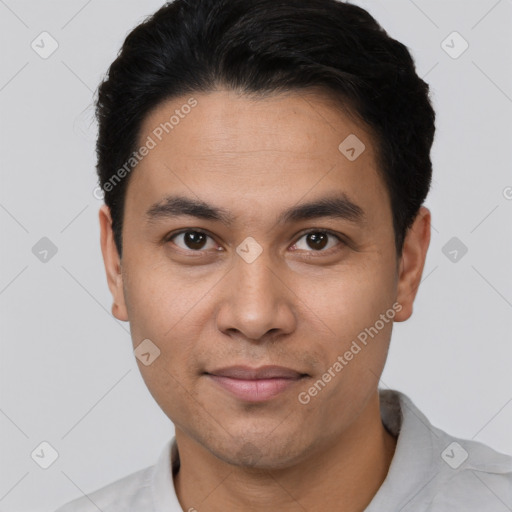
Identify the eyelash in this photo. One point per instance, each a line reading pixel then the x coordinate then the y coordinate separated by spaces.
pixel 311 253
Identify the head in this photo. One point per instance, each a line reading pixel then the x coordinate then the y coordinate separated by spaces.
pixel 264 166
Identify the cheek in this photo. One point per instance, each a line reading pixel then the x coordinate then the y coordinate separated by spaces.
pixel 357 307
pixel 161 300
pixel 358 310
pixel 174 312
pixel 351 298
pixel 170 388
pixel 164 309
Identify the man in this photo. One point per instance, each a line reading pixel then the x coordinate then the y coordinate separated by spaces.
pixel 264 166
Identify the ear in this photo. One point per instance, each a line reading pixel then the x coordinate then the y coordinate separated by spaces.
pixel 112 263
pixel 412 262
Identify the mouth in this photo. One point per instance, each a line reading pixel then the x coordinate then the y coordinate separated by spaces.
pixel 255 384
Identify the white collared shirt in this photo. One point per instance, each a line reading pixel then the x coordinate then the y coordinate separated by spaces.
pixel 431 471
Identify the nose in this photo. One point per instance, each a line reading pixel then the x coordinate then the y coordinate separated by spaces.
pixel 255 301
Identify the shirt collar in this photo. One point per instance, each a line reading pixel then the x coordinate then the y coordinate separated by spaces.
pixel 413 461
pixel 162 483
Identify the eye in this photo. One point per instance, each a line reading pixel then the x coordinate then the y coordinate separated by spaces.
pixel 193 240
pixel 318 241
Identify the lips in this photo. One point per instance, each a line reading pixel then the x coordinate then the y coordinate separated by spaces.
pixel 255 384
pixel 264 372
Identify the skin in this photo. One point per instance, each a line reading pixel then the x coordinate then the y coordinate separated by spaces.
pixel 295 305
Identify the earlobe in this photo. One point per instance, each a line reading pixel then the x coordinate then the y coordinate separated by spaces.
pixel 412 262
pixel 112 263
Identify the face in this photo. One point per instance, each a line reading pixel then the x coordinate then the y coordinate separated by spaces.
pixel 252 243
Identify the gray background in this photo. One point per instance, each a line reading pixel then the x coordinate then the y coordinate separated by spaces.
pixel 68 375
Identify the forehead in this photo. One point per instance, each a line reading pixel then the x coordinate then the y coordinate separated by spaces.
pixel 294 122
pixel 223 144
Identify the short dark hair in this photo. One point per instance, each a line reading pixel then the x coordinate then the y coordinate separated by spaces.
pixel 264 47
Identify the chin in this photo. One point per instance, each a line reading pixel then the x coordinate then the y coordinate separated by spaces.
pixel 259 451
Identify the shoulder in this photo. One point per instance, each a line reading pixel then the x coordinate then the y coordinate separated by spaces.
pixel 433 471
pixel 475 475
pixel 129 493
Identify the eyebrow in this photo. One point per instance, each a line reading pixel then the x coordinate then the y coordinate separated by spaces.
pixel 339 206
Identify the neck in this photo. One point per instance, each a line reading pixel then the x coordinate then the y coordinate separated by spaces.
pixel 345 475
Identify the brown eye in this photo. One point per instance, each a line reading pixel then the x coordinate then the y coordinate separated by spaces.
pixel 317 241
pixel 192 240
